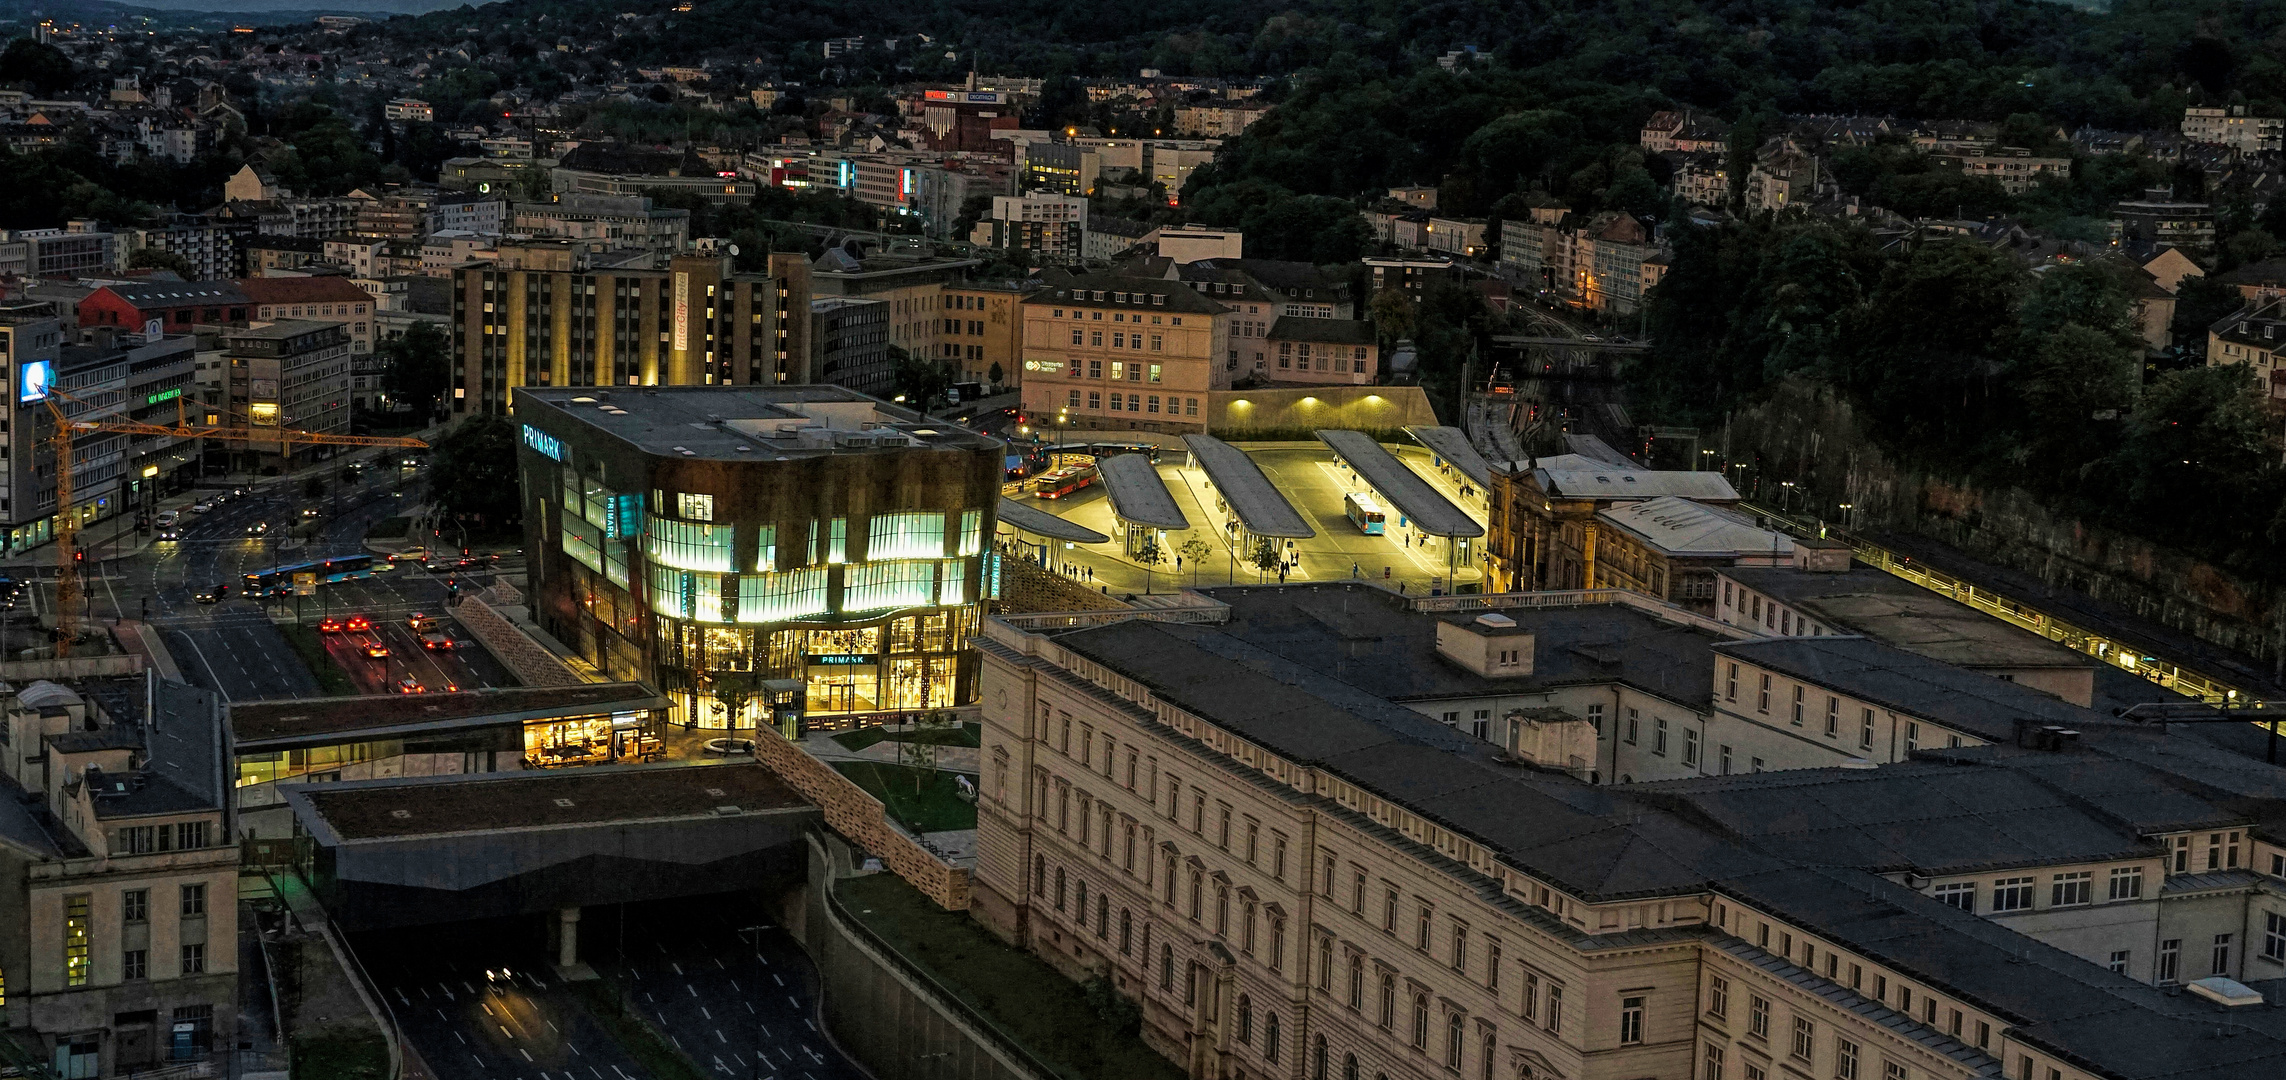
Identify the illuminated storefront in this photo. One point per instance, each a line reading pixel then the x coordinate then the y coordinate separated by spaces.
pixel 767 557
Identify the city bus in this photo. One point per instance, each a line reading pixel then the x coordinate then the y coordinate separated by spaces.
pixel 1099 451
pixel 279 580
pixel 1057 483
pixel 1362 512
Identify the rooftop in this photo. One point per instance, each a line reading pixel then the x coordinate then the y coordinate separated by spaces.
pixel 1633 483
pixel 744 423
pixel 1428 511
pixel 1157 294
pixel 1260 506
pixel 1679 527
pixel 1138 496
pixel 310 720
pixel 502 801
pixel 1963 700
pixel 1893 611
pixel 1372 639
pixel 1330 331
pixel 1451 444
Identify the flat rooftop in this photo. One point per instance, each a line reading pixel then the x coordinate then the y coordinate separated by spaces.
pixel 308 720
pixel 744 423
pixel 1891 610
pixel 498 802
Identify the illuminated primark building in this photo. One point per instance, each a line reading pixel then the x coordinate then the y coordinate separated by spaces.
pixel 759 553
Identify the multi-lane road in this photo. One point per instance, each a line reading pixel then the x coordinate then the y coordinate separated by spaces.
pixel 479 1001
pixel 236 646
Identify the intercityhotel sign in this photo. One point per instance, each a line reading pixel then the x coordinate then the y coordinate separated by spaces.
pixel 682 311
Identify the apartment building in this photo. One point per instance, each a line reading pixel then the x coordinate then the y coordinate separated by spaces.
pixel 78 250
pixel 119 867
pixel 849 344
pixel 409 109
pixel 2233 127
pixel 1053 227
pixel 211 248
pixel 2251 337
pixel 1292 875
pixel 1607 262
pixel 1131 354
pixel 2015 168
pixel 291 373
pixel 554 318
pixel 621 221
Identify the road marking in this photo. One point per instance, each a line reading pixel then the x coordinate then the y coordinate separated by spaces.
pixel 790 1001
pixel 734 986
pixel 812 1024
pixel 552 1026
pixel 779 981
pixel 687 986
pixel 570 1047
pixel 457 1035
pixel 750 1008
pixel 622 1073
pixel 527 1053
pixel 704 1013
pixel 479 1061
pixel 678 967
pixel 718 964
pixel 510 1034
pixel 718 1036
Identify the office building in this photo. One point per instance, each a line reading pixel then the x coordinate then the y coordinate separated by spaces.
pixel 983 339
pixel 620 221
pixel 78 250
pixel 1547 522
pixel 913 287
pixel 294 373
pixel 849 344
pixel 1120 353
pixel 1054 227
pixel 119 868
pixel 758 553
pixel 1290 872
pixel 546 315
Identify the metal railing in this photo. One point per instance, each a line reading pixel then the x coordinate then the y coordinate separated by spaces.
pixel 2014 612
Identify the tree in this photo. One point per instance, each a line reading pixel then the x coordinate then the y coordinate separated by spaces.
pixel 473 476
pixel 1196 549
pixel 1148 554
pixel 418 367
pixel 995 373
pixel 2201 302
pixel 150 258
pixel 1265 557
pixel 2192 448
pixel 43 68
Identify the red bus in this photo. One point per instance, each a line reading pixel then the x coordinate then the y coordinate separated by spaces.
pixel 1058 483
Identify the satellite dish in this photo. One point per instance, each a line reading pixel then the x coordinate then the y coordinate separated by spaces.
pixel 734 249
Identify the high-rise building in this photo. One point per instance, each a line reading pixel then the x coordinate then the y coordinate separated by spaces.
pixel 759 552
pixel 554 319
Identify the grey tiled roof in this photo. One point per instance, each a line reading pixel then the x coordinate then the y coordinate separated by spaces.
pixel 1964 700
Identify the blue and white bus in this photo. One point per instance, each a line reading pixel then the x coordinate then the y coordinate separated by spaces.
pixel 279 581
pixel 1362 512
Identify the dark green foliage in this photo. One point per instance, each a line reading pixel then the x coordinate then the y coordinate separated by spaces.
pixel 473 474
pixel 418 367
pixel 42 69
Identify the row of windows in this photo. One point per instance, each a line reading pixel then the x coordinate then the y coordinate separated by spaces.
pixel 2066 889
pixel 1135 403
pixel 134 907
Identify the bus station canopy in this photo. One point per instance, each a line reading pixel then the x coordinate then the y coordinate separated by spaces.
pixel 1400 487
pixel 1034 520
pixel 1250 495
pixel 1137 494
pixel 1451 444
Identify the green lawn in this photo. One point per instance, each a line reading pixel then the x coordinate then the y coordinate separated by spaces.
pixel 935 806
pixel 307 644
pixel 959 735
pixel 1029 1000
pixel 360 1055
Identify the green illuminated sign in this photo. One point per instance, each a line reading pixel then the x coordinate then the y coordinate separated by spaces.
pixel 164 395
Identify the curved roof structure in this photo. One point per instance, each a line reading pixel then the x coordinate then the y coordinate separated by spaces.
pixel 1250 494
pixel 1030 519
pixel 1138 496
pixel 1451 444
pixel 1412 496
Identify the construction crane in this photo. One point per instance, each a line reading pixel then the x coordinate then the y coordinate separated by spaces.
pixel 67 522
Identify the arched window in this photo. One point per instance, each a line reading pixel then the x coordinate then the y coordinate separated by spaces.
pixel 1349 1067
pixel 1080 909
pixel 1126 932
pixel 1454 1038
pixel 1388 1001
pixel 1420 1021
pixel 1491 1050
pixel 1270 1034
pixel 1245 1020
pixel 1318 1058
pixel 1103 914
pixel 1167 967
pixel 1039 875
pixel 1059 888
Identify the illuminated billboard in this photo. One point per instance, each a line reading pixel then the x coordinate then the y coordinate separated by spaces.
pixel 34 380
